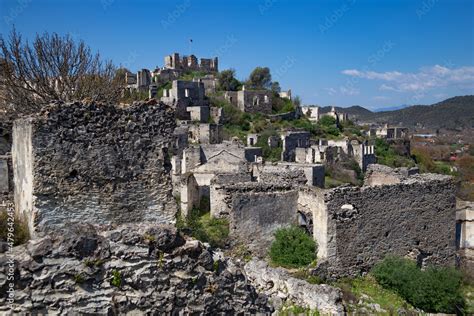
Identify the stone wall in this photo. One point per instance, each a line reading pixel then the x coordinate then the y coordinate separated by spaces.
pixel 94 163
pixel 189 194
pixel 184 94
pixel 413 218
pixel 383 175
pixel 313 174
pixel 255 101
pixel 255 211
pixel 465 236
pixel 4 178
pixel 284 289
pixel 22 156
pixel 292 140
pixel 311 204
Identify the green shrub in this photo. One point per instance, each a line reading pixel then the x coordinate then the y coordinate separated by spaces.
pixel 270 154
pixel 432 290
pixel 359 291
pixel 116 279
pixel 386 155
pixel 79 278
pixel 20 229
pixel 292 309
pixel 292 247
pixel 206 228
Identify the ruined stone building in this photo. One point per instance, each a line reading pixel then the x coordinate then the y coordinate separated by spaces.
pixel 106 164
pixel 311 112
pixel 389 132
pixel 354 227
pixel 338 116
pixel 330 151
pixel 89 163
pixel 190 63
pixel 210 84
pixel 197 165
pixel 148 81
pixel 311 174
pixel 140 81
pixel 186 94
pixel 292 140
pixel 251 101
pixel 205 133
pixel 285 94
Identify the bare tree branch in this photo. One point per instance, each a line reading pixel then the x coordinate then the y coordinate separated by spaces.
pixel 53 68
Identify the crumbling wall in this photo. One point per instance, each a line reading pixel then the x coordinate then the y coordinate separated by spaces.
pixel 311 203
pixel 414 218
pixel 465 237
pixel 94 163
pixel 291 141
pixel 255 101
pixel 23 160
pixel 383 175
pixel 309 174
pixel 220 199
pixel 256 211
pixel 189 194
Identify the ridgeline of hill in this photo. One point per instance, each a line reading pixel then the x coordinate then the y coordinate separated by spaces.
pixel 456 112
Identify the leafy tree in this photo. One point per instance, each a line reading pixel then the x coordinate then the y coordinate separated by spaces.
pixel 386 155
pixel 328 125
pixel 260 78
pixel 226 80
pixel 327 120
pixel 275 87
pixel 292 247
pixel 53 67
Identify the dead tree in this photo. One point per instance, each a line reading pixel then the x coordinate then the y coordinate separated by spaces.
pixel 52 67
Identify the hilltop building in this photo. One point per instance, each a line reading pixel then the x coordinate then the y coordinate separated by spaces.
pixel 190 63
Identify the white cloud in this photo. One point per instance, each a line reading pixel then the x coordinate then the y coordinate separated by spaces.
pixel 342 90
pixel 331 91
pixel 380 98
pixel 426 78
pixel 348 91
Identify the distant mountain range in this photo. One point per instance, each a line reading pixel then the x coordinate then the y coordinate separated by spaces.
pixel 391 108
pixel 457 112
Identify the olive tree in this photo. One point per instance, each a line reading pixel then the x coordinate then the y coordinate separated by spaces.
pixel 260 78
pixel 227 81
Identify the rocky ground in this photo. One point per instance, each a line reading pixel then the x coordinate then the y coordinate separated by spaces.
pixel 127 269
pixel 284 290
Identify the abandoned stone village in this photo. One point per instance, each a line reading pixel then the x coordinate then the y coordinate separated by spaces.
pixel 96 180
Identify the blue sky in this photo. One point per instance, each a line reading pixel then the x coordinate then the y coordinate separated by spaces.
pixel 372 53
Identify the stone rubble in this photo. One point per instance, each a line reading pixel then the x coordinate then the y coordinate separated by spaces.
pixel 280 286
pixel 130 269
